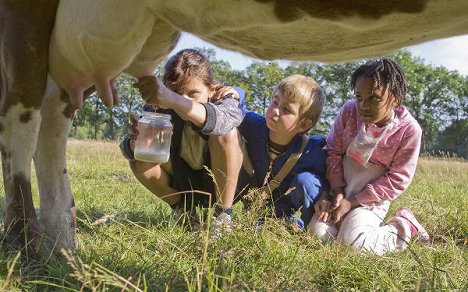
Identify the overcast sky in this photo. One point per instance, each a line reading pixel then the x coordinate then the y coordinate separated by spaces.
pixel 451 53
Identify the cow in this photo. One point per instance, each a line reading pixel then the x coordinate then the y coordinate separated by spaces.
pixel 54 53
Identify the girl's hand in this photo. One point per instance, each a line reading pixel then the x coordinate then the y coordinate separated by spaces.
pixel 153 91
pixel 344 207
pixel 340 212
pixel 133 131
pixel 224 91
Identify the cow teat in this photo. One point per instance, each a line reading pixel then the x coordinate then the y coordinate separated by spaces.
pixel 107 92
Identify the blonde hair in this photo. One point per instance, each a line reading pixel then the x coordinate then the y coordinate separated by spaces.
pixel 306 91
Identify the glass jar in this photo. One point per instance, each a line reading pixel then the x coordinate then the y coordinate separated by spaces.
pixel 154 138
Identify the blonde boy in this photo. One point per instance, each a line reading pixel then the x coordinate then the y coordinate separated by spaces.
pixel 296 105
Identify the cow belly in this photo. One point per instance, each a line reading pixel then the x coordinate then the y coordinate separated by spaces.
pixel 330 31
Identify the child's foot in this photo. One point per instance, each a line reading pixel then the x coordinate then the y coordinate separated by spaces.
pixel 417 230
pixel 296 224
pixel 220 224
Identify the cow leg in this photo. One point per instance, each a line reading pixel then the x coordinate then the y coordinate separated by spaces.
pixel 25 28
pixel 57 212
pixel 17 147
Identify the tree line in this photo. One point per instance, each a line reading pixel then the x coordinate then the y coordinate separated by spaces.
pixel 437 98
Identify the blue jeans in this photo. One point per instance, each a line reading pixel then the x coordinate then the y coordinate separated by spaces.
pixel 307 188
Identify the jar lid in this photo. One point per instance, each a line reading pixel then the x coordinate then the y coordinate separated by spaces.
pixel 154 115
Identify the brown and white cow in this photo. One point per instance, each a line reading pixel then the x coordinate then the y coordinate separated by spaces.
pixel 94 41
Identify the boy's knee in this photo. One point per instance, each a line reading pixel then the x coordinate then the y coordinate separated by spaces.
pixel 303 178
pixel 306 189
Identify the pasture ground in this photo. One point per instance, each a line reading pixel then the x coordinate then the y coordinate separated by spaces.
pixel 132 250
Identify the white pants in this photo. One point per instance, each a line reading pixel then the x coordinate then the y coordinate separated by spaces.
pixel 361 228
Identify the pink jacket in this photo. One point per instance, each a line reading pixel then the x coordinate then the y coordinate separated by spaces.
pixel 397 152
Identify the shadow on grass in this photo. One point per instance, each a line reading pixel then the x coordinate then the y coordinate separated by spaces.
pixel 92 217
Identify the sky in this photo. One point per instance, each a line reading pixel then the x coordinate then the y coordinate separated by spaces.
pixel 451 53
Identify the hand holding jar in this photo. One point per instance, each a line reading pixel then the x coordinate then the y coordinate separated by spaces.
pixel 153 91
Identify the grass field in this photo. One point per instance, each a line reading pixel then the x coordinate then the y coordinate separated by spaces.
pixel 134 251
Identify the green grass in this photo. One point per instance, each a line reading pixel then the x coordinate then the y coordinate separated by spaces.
pixel 134 251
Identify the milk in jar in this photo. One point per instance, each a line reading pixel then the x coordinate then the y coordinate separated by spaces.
pixel 154 138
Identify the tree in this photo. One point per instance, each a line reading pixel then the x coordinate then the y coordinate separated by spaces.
pixel 427 91
pixel 262 77
pixel 454 139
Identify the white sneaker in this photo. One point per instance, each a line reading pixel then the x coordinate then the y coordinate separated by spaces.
pixel 221 223
pixel 421 231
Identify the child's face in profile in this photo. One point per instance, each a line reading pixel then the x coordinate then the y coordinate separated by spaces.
pixel 195 89
pixel 374 105
pixel 283 115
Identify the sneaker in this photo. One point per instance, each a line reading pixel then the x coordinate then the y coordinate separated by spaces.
pixel 417 230
pixel 221 223
pixel 295 223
